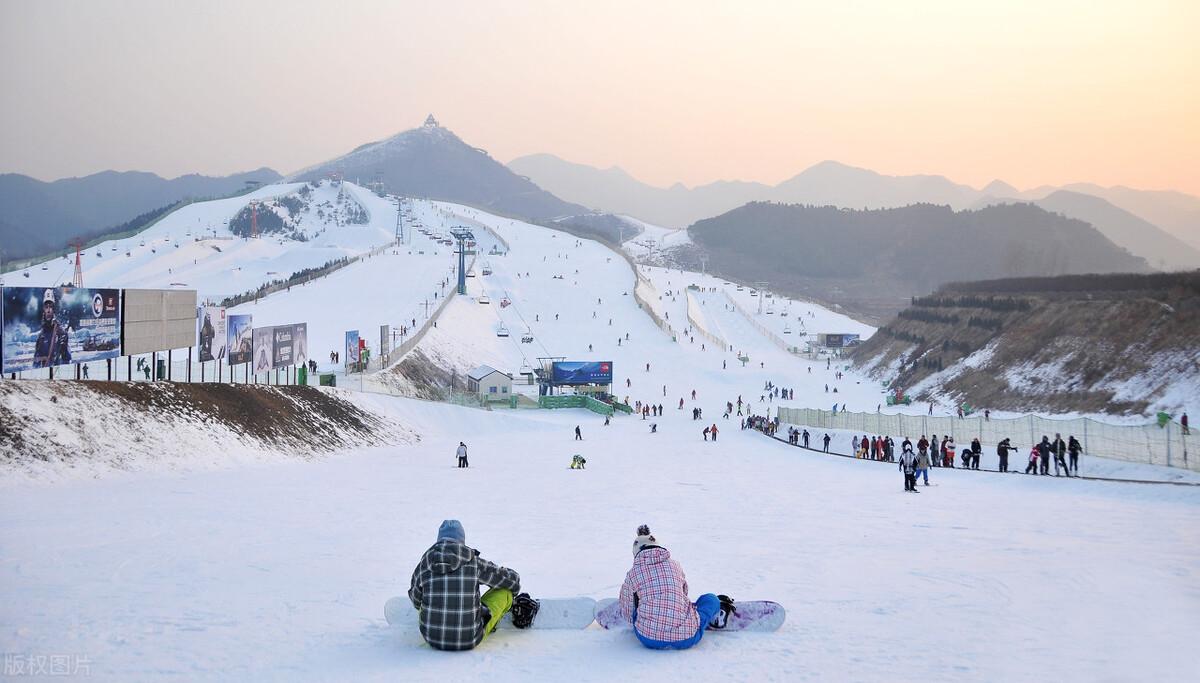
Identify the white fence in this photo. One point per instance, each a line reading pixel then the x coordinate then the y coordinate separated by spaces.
pixel 1150 444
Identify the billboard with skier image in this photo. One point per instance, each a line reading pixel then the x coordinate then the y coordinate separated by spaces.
pixel 264 338
pixel 211 333
pixel 351 347
pixel 44 327
pixel 240 340
pixel 586 372
pixel 300 344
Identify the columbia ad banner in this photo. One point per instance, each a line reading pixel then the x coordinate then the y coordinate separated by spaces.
pixel 44 327
pixel 212 333
pixel 284 340
pixel 240 339
pixel 591 372
pixel 300 344
pixel 351 347
pixel 264 338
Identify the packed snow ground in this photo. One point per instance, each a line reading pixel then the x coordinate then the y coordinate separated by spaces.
pixel 250 568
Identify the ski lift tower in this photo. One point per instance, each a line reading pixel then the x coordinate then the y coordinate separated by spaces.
pixel 762 293
pixel 77 280
pixel 462 235
pixel 399 222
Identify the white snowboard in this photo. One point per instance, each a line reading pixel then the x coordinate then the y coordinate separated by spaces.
pixel 557 613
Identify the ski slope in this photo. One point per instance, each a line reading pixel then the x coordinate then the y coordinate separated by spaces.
pixel 242 567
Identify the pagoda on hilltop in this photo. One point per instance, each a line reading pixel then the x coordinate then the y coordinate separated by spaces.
pixel 430 121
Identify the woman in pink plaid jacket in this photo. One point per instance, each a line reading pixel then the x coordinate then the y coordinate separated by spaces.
pixel 654 598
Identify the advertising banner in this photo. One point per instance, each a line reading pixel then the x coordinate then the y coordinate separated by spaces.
pixel 284 343
pixel 351 347
pixel 157 320
pixel 300 343
pixel 240 341
pixel 44 327
pixel 264 338
pixel 211 333
pixel 590 372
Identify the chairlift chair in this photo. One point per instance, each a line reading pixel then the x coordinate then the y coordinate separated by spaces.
pixel 502 331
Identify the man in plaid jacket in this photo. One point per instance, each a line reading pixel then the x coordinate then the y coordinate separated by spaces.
pixel 445 590
pixel 654 598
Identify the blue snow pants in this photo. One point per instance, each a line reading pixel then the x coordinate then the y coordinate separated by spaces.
pixel 707 606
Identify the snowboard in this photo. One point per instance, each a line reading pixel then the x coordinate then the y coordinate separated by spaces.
pixel 553 613
pixel 748 615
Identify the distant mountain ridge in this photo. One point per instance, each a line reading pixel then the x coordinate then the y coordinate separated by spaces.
pixel 432 162
pixel 832 183
pixel 37 217
pixel 872 261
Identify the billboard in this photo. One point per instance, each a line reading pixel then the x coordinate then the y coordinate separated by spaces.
pixel 283 341
pixel 837 341
pixel 240 339
pixel 300 343
pixel 44 327
pixel 157 320
pixel 264 338
pixel 590 372
pixel 351 347
pixel 211 333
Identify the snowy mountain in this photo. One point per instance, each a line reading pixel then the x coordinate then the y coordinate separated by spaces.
pixel 432 162
pixel 148 536
pixel 38 217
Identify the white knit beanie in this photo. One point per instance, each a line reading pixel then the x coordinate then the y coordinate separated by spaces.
pixel 644 539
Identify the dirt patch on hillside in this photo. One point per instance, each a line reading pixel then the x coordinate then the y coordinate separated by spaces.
pixel 132 425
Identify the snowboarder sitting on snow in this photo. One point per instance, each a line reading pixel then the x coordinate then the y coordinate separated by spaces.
pixel 654 598
pixel 445 590
pixel 578 462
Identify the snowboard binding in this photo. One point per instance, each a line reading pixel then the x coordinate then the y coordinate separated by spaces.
pixel 721 618
pixel 524 609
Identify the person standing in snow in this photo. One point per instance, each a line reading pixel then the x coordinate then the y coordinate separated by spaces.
pixel 1033 460
pixel 922 463
pixel 714 431
pixel 462 454
pixel 1059 448
pixel 654 598
pixel 1002 450
pixel 1074 448
pixel 827 442
pixel 1044 450
pixel 948 448
pixel 908 465
pixel 445 591
pixel 579 435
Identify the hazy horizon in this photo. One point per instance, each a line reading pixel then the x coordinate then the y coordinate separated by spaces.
pixel 1028 93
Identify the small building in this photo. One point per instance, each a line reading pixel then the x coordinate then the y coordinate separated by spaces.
pixel 490 384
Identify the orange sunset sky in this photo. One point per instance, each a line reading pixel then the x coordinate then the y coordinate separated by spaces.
pixel 1031 93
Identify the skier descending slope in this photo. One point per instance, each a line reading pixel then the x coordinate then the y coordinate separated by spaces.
pixel 654 598
pixel 445 590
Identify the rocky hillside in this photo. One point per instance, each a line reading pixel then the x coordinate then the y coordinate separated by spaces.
pixel 1117 344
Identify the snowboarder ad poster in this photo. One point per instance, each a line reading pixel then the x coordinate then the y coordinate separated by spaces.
pixel 211 336
pixel 49 326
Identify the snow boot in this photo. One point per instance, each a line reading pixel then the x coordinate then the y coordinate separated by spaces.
pixel 524 609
